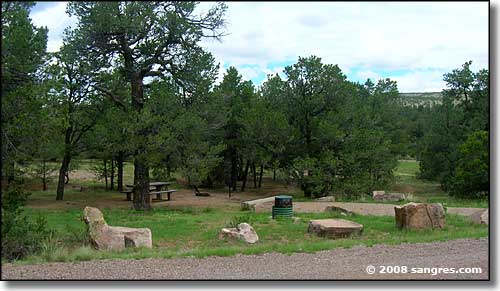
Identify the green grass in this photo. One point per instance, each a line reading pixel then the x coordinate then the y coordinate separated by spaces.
pixel 427 191
pixel 181 232
pixel 194 232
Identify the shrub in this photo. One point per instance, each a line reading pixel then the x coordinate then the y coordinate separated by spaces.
pixel 471 179
pixel 21 235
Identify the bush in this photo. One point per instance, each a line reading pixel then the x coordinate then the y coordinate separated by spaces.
pixel 21 236
pixel 471 177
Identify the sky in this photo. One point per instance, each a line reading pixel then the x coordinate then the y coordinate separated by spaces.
pixel 414 43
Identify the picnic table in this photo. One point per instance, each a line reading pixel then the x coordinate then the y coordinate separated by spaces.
pixel 155 188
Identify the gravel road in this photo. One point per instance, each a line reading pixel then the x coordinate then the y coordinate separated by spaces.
pixel 333 264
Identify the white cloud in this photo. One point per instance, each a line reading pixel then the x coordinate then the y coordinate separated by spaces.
pixel 420 82
pixel 374 36
pixel 418 37
pixel 249 73
pixel 369 74
pixel 56 20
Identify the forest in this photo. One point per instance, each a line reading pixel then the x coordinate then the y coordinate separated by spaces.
pixel 132 83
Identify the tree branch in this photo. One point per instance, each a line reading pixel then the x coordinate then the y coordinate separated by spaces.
pixel 115 98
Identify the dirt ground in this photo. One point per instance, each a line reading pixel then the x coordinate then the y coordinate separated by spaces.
pixel 82 196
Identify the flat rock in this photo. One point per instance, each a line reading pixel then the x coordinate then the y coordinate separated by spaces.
pixel 334 208
pixel 326 199
pixel 108 237
pixel 420 216
pixel 334 228
pixel 383 196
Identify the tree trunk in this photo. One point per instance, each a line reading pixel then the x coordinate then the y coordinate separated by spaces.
pixel 141 170
pixel 274 174
pixel 241 173
pixel 141 185
pixel 245 176
pixel 169 168
pixel 11 170
pixel 62 173
pixel 254 175
pixel 234 171
pixel 261 173
pixel 65 164
pixel 112 174
pixel 119 164
pixel 106 173
pixel 44 174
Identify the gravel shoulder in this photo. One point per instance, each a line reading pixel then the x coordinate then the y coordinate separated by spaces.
pixel 340 264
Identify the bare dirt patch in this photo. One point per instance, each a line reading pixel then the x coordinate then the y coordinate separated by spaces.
pixel 82 196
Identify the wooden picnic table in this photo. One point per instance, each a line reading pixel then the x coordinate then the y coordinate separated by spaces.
pixel 158 190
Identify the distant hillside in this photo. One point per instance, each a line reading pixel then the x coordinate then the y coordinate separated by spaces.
pixel 421 98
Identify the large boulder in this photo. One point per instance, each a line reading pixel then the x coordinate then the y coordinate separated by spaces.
pixel 481 216
pixel 485 217
pixel 334 228
pixel 383 196
pixel 420 216
pixel 243 231
pixel 103 236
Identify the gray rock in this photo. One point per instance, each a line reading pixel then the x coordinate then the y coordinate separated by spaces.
pixel 326 199
pixel 480 217
pixel 343 211
pixel 243 231
pixel 108 237
pixel 383 196
pixel 485 217
pixel 334 228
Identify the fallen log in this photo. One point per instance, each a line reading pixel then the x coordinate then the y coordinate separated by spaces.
pixel 250 205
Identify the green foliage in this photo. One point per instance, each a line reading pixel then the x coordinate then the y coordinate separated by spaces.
pixel 23 53
pixel 132 80
pixel 471 178
pixel 21 235
pixel 456 132
pixel 342 137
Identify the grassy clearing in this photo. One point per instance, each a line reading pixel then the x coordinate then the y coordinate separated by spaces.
pixel 420 190
pixel 190 232
pixel 427 191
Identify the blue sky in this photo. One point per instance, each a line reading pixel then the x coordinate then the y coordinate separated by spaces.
pixel 414 43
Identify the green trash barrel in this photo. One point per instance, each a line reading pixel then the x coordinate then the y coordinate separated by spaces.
pixel 283 207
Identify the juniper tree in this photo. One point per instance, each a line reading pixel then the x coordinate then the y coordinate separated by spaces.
pixel 144 39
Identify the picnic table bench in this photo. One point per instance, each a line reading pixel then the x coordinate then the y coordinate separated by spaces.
pixel 159 194
pixel 129 193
